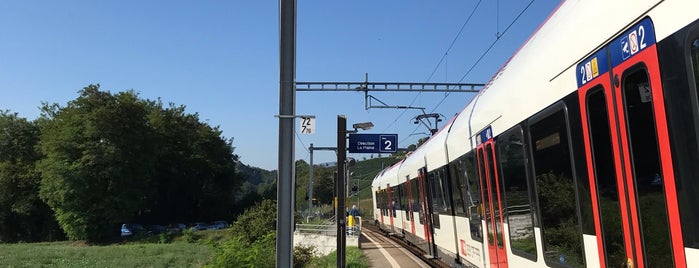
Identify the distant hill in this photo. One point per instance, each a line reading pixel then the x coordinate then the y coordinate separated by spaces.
pixel 261 184
pixel 256 175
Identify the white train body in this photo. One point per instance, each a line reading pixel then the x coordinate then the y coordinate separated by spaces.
pixel 581 151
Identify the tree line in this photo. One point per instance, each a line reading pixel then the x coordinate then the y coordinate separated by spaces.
pixel 81 170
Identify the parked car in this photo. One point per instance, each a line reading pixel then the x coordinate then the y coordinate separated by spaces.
pixel 131 229
pixel 156 229
pixel 218 225
pixel 175 228
pixel 198 226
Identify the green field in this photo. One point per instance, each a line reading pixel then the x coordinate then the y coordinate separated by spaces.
pixel 70 254
pixel 141 252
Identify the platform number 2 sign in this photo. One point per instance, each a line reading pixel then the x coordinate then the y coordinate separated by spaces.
pixel 308 125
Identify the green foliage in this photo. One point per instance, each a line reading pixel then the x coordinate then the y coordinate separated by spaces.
pixel 114 158
pixel 190 235
pixel 70 254
pixel 195 173
pixel 303 255
pixel 353 259
pixel 260 185
pixel 96 167
pixel 324 183
pixel 165 238
pixel 23 216
pixel 256 222
pixel 238 252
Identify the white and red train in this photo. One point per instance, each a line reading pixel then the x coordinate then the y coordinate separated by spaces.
pixel 582 151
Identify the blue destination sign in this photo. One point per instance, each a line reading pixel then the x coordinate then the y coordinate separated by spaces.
pixel 373 143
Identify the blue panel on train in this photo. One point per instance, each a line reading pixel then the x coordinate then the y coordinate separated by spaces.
pixel 484 136
pixel 592 67
pixel 636 39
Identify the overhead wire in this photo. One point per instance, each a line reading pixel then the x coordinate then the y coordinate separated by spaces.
pixel 498 36
pixel 496 40
pixel 463 26
pixel 441 60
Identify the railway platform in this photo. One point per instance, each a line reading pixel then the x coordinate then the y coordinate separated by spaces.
pixel 382 252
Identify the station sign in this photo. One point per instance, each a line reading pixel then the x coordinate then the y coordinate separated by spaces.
pixel 373 143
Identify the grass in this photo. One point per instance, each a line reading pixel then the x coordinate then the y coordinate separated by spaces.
pixel 139 252
pixel 353 259
pixel 70 254
pixel 144 251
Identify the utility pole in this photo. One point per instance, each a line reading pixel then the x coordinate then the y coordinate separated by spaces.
pixel 287 109
pixel 340 189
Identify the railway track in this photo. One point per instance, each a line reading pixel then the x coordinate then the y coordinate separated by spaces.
pixel 417 252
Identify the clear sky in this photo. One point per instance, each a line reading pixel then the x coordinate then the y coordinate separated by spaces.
pixel 221 59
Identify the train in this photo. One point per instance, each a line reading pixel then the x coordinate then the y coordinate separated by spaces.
pixel 581 151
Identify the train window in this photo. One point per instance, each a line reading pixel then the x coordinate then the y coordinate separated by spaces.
pixel 403 201
pixel 458 186
pixel 436 186
pixel 468 177
pixel 556 191
pixel 393 196
pixel 605 177
pixel 695 60
pixel 689 179
pixel 414 195
pixel 473 198
pixel 646 168
pixel 518 199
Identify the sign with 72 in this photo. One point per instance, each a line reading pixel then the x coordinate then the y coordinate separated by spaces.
pixel 308 124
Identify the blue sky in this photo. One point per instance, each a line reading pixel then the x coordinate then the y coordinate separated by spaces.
pixel 221 59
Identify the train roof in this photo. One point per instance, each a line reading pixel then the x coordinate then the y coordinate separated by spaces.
pixel 543 71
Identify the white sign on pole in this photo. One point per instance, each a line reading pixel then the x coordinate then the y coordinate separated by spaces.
pixel 308 125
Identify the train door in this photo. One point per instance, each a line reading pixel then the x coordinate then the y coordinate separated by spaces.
pixel 492 203
pixel 411 197
pixel 391 206
pixel 426 213
pixel 628 152
pixel 381 204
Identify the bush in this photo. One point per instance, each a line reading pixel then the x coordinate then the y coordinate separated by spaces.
pixel 353 259
pixel 190 236
pixel 256 221
pixel 238 253
pixel 165 238
pixel 303 255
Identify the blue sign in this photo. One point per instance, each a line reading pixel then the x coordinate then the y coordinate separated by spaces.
pixel 484 136
pixel 628 44
pixel 592 67
pixel 636 39
pixel 373 143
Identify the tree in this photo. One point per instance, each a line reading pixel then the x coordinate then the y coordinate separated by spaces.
pixel 195 174
pixel 114 158
pixel 97 161
pixel 23 216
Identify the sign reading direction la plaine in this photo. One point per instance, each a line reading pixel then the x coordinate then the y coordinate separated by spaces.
pixel 373 143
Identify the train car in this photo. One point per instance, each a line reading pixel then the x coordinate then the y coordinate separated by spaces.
pixel 581 151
